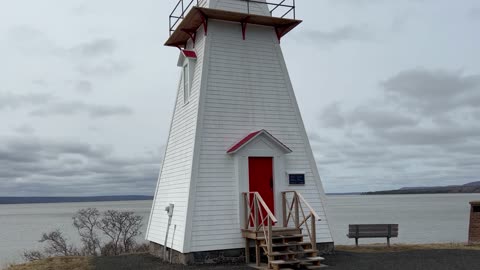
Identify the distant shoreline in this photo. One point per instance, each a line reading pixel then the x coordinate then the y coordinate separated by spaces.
pixel 30 200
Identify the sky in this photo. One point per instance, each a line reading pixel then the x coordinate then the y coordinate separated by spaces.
pixel 389 92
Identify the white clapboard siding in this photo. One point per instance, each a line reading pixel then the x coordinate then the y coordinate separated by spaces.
pixel 247 89
pixel 175 176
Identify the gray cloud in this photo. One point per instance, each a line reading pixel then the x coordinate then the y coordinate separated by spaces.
pixel 32 166
pixel 24 129
pixel 332 116
pixel 92 58
pixel 10 100
pixel 439 135
pixel 399 138
pixel 40 82
pixel 31 40
pixel 104 68
pixel 94 48
pixel 76 107
pixel 379 118
pixel 474 13
pixel 434 90
pixel 83 86
pixel 44 104
pixel 371 116
pixel 345 33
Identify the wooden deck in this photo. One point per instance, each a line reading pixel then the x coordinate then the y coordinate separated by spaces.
pixel 276 231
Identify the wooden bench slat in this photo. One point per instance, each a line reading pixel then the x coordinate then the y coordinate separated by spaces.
pixel 372 231
pixel 365 226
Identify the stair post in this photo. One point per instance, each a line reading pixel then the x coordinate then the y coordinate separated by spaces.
pixel 269 247
pixel 284 209
pixel 297 212
pixel 245 226
pixel 314 232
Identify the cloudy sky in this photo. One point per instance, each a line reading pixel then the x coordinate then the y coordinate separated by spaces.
pixel 389 91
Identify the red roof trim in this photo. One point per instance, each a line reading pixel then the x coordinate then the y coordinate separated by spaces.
pixel 189 54
pixel 253 135
pixel 242 142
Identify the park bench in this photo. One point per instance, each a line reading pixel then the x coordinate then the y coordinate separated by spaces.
pixel 372 231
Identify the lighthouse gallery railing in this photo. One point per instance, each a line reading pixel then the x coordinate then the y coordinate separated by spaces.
pixel 284 8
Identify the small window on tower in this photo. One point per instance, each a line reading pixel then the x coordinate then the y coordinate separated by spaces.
pixel 186 82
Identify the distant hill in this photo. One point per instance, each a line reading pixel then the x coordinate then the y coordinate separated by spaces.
pixel 346 193
pixel 20 200
pixel 473 187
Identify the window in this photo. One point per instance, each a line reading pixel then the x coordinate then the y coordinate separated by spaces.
pixel 186 82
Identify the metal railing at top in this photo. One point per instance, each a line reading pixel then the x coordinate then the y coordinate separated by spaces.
pixel 277 8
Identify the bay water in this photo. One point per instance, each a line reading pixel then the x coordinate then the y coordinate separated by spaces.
pixel 435 218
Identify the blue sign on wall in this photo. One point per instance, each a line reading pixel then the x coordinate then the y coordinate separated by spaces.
pixel 296 179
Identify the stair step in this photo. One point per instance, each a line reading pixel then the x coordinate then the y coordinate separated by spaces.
pixel 283 236
pixel 282 262
pixel 313 267
pixel 312 259
pixel 290 244
pixel 293 252
pixel 283 253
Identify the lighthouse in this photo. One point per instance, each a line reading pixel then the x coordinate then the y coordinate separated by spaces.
pixel 238 177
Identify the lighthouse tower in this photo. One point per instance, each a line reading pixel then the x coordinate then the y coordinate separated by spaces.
pixel 238 176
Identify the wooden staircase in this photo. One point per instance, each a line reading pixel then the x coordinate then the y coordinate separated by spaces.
pixel 292 246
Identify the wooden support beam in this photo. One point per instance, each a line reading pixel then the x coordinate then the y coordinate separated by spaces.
pixel 284 209
pixel 247 250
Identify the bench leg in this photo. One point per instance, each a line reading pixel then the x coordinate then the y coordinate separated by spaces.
pixel 356 242
pixel 388 241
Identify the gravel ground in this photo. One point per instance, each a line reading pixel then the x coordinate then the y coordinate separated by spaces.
pixel 406 260
pixel 341 260
pixel 148 262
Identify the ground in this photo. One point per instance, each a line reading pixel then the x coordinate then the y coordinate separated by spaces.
pixel 399 257
pixel 441 259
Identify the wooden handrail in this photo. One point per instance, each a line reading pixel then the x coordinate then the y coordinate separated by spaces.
pixel 251 204
pixel 312 211
pixel 255 207
pixel 265 207
pixel 294 209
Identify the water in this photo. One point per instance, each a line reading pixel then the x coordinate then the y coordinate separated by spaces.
pixel 421 218
pixel 21 225
pixel 434 218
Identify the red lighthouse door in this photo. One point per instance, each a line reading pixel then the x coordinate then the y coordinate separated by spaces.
pixel 260 175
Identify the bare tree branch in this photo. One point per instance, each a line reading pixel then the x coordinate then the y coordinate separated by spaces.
pixel 87 221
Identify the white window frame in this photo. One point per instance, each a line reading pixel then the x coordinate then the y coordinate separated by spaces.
pixel 188 69
pixel 186 82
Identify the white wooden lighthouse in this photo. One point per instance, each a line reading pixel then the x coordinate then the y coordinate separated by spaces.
pixel 238 166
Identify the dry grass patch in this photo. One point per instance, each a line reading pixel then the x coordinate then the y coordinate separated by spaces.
pixel 57 263
pixel 372 248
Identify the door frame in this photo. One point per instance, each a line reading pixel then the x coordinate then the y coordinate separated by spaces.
pixel 261 147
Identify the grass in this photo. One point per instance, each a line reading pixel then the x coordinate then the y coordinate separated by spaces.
pixel 145 261
pixel 56 263
pixel 372 248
